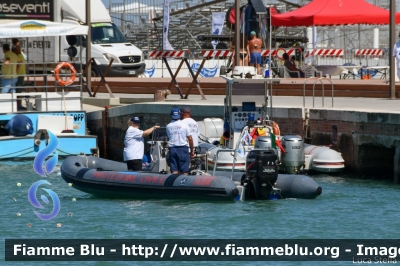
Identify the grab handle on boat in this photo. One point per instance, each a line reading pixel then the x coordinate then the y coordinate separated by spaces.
pixel 216 158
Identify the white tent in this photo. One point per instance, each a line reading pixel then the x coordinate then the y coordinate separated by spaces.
pixel 38 28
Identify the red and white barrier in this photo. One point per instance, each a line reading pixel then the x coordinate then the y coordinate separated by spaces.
pixel 325 52
pixel 226 53
pixel 164 54
pixel 279 51
pixel 368 52
pixel 216 53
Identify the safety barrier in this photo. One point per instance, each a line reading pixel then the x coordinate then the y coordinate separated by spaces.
pixel 164 55
pixel 325 52
pixel 216 58
pixel 369 52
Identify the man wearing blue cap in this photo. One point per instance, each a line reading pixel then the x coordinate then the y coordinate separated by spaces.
pixel 180 139
pixel 134 144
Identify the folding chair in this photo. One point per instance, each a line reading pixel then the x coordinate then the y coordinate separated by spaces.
pixel 310 71
pixel 288 73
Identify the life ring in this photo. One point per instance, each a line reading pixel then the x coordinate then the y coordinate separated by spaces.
pixel 57 74
pixel 275 129
pixel 280 52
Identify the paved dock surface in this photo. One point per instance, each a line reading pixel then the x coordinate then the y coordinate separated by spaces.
pixel 374 88
pixel 378 105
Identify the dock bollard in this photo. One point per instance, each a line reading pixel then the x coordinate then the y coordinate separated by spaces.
pixel 161 95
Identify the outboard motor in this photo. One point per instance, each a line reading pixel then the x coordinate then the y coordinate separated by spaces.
pixel 293 159
pixel 263 142
pixel 261 174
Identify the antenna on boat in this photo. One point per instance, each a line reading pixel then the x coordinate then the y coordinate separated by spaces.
pixel 66 130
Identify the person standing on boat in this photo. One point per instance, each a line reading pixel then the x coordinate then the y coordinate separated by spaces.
pixel 134 144
pixel 186 113
pixel 255 51
pixel 8 70
pixel 180 139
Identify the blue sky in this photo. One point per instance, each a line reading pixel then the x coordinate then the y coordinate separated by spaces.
pixel 107 2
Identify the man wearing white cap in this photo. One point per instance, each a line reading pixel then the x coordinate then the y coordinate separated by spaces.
pixel 134 144
pixel 179 142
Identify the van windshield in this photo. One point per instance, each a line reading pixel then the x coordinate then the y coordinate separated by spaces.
pixel 107 33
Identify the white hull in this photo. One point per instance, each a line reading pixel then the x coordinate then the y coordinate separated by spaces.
pixel 225 159
pixel 323 159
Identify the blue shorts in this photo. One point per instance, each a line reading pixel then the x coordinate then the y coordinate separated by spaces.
pixel 255 58
pixel 179 159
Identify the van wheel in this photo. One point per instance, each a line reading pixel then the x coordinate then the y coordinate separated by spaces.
pixel 94 73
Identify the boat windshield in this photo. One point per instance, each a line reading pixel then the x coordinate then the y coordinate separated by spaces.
pixel 160 134
pixel 107 33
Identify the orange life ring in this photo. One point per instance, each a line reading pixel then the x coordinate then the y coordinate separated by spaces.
pixel 57 74
pixel 275 129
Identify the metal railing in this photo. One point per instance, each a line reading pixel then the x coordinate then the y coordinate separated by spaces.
pixel 216 159
pixel 313 94
pixel 40 94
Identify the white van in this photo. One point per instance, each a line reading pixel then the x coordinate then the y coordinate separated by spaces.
pixel 107 40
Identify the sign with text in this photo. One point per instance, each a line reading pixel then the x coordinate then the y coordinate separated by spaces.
pixel 350 250
pixel 27 9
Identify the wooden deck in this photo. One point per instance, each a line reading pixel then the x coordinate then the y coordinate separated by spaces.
pixel 374 88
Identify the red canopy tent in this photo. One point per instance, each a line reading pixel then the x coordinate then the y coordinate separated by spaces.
pixel 334 12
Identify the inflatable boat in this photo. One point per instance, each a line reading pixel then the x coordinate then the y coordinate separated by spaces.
pixel 111 179
pixel 294 154
pixel 323 159
pixel 103 177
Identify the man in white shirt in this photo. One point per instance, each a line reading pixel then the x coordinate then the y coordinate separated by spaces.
pixel 396 53
pixel 179 140
pixel 194 127
pixel 134 144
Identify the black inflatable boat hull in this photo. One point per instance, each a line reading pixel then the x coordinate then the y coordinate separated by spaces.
pixel 290 186
pixel 111 179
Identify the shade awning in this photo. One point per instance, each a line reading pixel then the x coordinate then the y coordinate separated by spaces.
pixel 38 28
pixel 334 12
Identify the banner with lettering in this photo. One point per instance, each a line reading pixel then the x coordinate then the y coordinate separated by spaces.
pixel 218 19
pixel 166 44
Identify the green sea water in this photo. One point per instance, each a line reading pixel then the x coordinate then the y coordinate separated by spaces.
pixel 348 208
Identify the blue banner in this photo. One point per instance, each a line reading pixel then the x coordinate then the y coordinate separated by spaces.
pixel 205 72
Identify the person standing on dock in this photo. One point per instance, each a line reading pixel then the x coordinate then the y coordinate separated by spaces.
pixel 21 70
pixel 255 51
pixel 180 139
pixel 396 53
pixel 134 144
pixel 8 70
pixel 186 113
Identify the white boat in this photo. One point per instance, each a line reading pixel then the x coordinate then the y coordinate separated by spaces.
pixel 25 133
pixel 29 121
pixel 224 141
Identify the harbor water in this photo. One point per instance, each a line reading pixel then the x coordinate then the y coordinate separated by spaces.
pixel 349 208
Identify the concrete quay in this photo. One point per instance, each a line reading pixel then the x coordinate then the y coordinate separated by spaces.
pixel 367 128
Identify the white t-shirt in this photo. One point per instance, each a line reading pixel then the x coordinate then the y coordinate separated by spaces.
pixel 177 132
pixel 194 130
pixel 134 144
pixel 396 53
